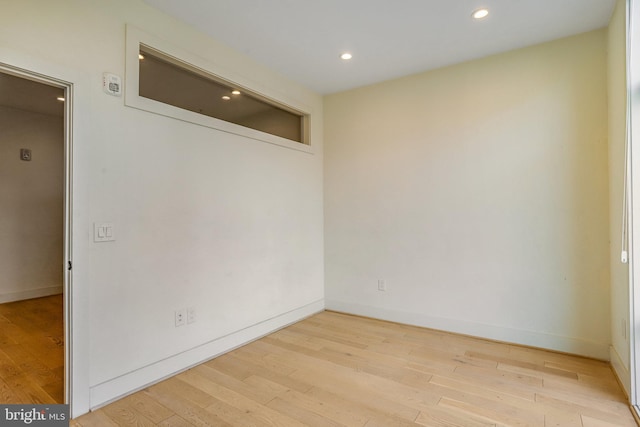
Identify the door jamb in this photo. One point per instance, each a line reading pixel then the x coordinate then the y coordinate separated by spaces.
pixel 67 226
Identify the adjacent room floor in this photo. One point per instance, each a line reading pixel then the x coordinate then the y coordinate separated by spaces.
pixel 32 351
pixel 334 369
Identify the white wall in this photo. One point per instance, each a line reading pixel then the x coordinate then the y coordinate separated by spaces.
pixel 479 193
pixel 226 224
pixel 31 208
pixel 617 128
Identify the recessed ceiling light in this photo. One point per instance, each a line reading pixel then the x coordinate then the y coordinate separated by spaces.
pixel 480 13
pixel 226 98
pixel 346 56
pixel 60 98
pixel 140 56
pixel 235 92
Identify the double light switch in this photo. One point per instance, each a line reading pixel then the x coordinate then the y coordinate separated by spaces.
pixel 103 232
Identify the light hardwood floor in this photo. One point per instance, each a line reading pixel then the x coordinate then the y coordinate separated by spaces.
pixel 32 351
pixel 340 370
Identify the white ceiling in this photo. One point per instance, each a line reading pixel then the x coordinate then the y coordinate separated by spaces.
pixel 303 39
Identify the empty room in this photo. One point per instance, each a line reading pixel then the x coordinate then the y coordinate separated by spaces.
pixel 360 213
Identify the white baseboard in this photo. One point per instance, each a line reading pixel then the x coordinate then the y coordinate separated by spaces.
pixel 492 332
pixel 621 371
pixel 29 294
pixel 106 392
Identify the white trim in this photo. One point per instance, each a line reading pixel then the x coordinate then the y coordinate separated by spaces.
pixel 76 327
pixel 104 393
pixel 498 333
pixel 620 369
pixel 42 77
pixel 135 37
pixel 31 293
pixel 633 79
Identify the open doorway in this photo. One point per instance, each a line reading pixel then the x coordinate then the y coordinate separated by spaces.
pixel 33 238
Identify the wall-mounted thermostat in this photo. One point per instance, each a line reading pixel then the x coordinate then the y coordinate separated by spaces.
pixel 112 84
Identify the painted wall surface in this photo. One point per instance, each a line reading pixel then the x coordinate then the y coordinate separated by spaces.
pixel 31 205
pixel 229 225
pixel 479 193
pixel 617 131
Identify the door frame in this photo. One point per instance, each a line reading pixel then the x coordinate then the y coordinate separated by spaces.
pixel 67 215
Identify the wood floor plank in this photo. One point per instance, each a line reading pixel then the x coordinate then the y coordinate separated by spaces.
pixel 187 409
pixel 219 378
pixel 334 369
pixel 488 414
pixel 8 367
pixel 174 386
pixel 374 415
pixel 268 386
pixel 296 339
pixel 55 390
pixel 596 411
pixel 125 415
pixel 333 410
pixel 437 417
pixel 94 419
pixel 28 391
pixel 452 359
pixel 175 421
pixel 596 387
pixel 249 400
pixel 562 419
pixel 148 407
pixel 499 404
pixel 579 366
pixel 39 373
pixel 587 421
pixel 7 394
pixel 263 368
pixel 530 368
pixel 382 365
pixel 362 391
pixel 332 334
pixel 256 362
pixel 232 415
pixel 305 416
pixel 469 386
pixel 32 350
pixel 579 394
pixel 318 371
pixel 493 379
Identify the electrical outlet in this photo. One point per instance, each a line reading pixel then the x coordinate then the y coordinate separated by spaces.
pixel 382 285
pixel 181 317
pixel 191 314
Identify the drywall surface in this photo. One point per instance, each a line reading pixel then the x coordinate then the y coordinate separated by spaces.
pixel 228 225
pixel 479 194
pixel 617 130
pixel 31 205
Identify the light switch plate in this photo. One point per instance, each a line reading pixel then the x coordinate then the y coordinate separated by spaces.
pixel 103 232
pixel 25 154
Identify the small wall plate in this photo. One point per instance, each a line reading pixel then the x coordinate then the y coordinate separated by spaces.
pixel 112 84
pixel 25 154
pixel 103 232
